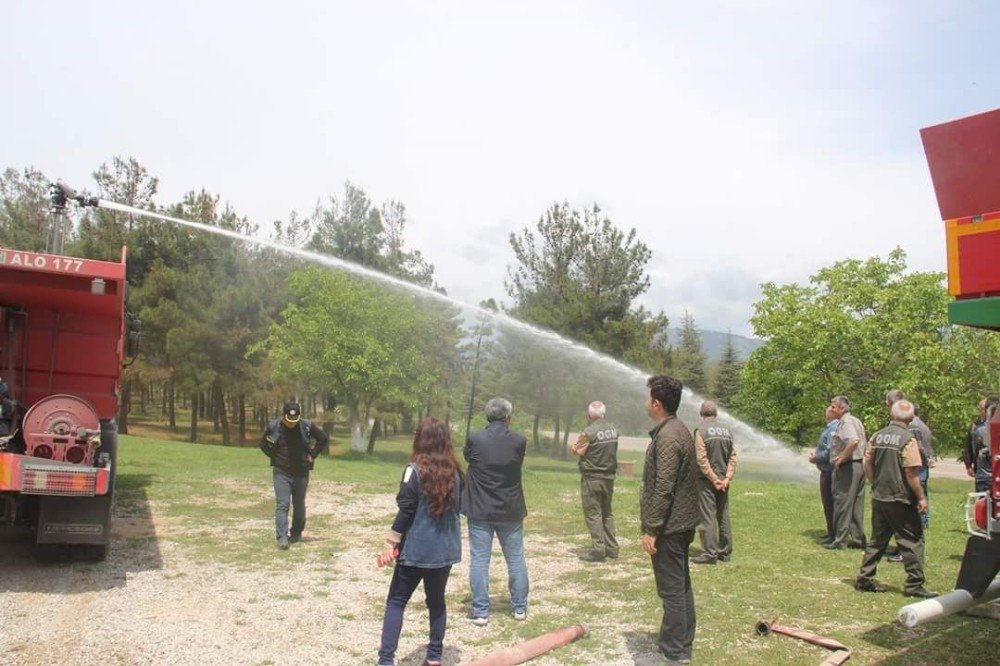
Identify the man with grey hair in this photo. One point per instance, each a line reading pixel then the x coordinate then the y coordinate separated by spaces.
pixel 597 447
pixel 493 503
pixel 892 466
pixel 847 448
pixel 716 458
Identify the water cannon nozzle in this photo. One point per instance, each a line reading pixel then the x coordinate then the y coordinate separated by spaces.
pixel 60 194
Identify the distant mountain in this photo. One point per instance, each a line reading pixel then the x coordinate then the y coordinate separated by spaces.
pixel 713 343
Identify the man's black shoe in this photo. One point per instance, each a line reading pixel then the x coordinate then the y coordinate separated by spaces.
pixel 920 593
pixel 591 556
pixel 894 556
pixel 703 559
pixel 834 545
pixel 723 558
pixel 868 586
pixel 294 538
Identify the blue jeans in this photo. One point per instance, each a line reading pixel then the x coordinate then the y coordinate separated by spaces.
pixel 511 537
pixel 289 490
pixel 404 581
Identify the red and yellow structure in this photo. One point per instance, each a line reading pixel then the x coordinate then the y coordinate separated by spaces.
pixel 964 160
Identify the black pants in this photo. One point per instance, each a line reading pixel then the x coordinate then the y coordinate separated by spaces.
pixel 903 521
pixel 673 585
pixel 826 495
pixel 404 581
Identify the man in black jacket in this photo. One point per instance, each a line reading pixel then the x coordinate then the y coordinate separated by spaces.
pixel 493 502
pixel 286 443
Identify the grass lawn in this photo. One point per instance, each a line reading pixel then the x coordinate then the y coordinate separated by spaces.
pixel 778 570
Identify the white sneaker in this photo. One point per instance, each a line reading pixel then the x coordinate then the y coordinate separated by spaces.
pixel 480 621
pixel 520 616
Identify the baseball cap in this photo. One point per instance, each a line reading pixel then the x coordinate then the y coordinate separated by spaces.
pixel 292 412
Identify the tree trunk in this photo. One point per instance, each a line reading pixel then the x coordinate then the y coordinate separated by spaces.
pixel 554 453
pixel 358 431
pixel 126 404
pixel 216 405
pixel 564 449
pixel 195 404
pixel 171 406
pixel 242 409
pixel 376 431
pixel 222 415
pixel 534 432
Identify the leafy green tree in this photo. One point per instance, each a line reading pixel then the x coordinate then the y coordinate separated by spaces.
pixel 728 374
pixel 860 328
pixel 24 206
pixel 689 358
pixel 355 229
pixel 363 342
pixel 579 275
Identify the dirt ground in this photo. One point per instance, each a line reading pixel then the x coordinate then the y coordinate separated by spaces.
pixel 151 603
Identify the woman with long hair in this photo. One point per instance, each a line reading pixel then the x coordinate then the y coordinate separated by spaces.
pixel 425 538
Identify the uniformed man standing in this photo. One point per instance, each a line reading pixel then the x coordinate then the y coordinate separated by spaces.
pixel 717 461
pixel 597 447
pixel 846 454
pixel 892 466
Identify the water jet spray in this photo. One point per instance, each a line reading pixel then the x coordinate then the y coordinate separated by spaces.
pixel 779 458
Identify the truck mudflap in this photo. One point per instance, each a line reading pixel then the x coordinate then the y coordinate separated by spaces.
pixel 39 476
pixel 73 520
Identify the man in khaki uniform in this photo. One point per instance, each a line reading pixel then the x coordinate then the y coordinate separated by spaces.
pixel 847 447
pixel 716 457
pixel 597 447
pixel 892 466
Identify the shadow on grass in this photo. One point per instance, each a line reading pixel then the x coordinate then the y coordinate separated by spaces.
pixel 643 647
pixel 134 547
pixel 450 655
pixel 934 643
pixel 815 535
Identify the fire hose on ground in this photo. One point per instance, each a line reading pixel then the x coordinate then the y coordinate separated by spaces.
pixel 840 654
pixel 955 601
pixel 535 647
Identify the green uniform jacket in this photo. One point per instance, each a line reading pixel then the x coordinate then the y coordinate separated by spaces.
pixel 669 501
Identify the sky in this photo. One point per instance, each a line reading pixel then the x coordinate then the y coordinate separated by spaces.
pixel 745 141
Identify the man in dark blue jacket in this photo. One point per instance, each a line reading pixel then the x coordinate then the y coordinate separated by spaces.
pixel 287 443
pixel 493 502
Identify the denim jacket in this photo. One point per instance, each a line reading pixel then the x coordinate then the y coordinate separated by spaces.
pixel 429 542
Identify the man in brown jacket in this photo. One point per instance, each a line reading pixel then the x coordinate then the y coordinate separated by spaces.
pixel 669 514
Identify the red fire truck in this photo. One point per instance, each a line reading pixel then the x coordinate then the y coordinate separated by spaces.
pixel 63 333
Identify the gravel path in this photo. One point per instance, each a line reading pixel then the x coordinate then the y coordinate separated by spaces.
pixel 152 602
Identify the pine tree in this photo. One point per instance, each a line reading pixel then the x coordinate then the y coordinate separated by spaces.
pixel 728 376
pixel 689 359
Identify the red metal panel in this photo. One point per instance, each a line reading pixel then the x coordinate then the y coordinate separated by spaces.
pixel 979 257
pixel 964 159
pixel 66 329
